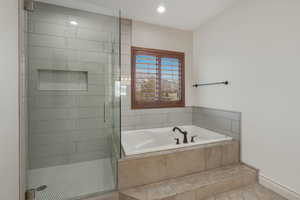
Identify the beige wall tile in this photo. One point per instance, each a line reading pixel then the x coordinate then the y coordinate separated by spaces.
pixel 191 195
pixel 204 192
pixel 165 191
pixel 230 153
pixel 252 192
pixel 250 178
pixel 185 162
pixel 228 185
pixel 157 167
pixel 197 186
pixel 213 157
pixel 169 198
pixel 125 197
pixel 219 187
pixel 109 196
pixel 142 171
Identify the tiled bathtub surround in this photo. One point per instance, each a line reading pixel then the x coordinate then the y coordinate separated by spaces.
pixel 67 125
pixel 156 118
pixel 221 121
pixel 154 167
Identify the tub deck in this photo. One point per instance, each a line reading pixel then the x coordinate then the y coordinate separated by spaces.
pixel 161 139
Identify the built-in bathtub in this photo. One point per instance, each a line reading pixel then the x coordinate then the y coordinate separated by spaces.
pixel 159 139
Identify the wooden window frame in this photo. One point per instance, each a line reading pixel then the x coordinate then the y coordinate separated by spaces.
pixel 160 53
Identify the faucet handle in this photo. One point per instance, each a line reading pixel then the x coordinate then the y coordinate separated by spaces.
pixel 193 138
pixel 177 140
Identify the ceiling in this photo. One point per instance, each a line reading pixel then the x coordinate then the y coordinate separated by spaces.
pixel 181 14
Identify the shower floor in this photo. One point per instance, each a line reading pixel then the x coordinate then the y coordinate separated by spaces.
pixel 72 180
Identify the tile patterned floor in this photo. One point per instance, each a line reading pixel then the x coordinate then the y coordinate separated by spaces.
pixel 196 185
pixel 252 192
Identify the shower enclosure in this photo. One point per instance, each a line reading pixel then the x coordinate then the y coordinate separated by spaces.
pixel 73 95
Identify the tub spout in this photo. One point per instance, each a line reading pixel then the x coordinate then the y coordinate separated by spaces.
pixel 185 140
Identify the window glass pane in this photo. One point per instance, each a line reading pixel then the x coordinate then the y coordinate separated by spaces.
pixel 170 79
pixel 146 74
pixel 158 78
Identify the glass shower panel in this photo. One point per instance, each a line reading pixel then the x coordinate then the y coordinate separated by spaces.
pixel 115 103
pixel 74 102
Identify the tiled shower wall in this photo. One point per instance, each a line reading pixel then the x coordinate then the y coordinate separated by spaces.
pixel 67 126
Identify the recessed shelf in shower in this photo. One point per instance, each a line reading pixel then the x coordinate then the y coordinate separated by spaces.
pixel 49 79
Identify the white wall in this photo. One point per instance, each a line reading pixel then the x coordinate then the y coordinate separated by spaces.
pixel 9 170
pixel 255 45
pixel 158 37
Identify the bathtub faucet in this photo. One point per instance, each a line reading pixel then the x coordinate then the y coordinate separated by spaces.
pixel 185 140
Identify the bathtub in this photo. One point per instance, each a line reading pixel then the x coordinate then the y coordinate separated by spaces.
pixel 158 139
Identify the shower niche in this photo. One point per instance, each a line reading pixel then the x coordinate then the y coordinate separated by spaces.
pixel 62 80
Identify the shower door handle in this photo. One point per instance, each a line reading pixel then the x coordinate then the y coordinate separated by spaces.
pixel 104 112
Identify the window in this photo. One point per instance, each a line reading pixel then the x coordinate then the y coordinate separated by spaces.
pixel 157 78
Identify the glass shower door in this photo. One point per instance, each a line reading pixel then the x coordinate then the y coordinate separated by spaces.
pixel 73 102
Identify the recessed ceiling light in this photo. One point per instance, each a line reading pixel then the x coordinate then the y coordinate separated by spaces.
pixel 161 9
pixel 74 23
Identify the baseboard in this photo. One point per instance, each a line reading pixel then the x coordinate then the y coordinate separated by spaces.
pixel 278 188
